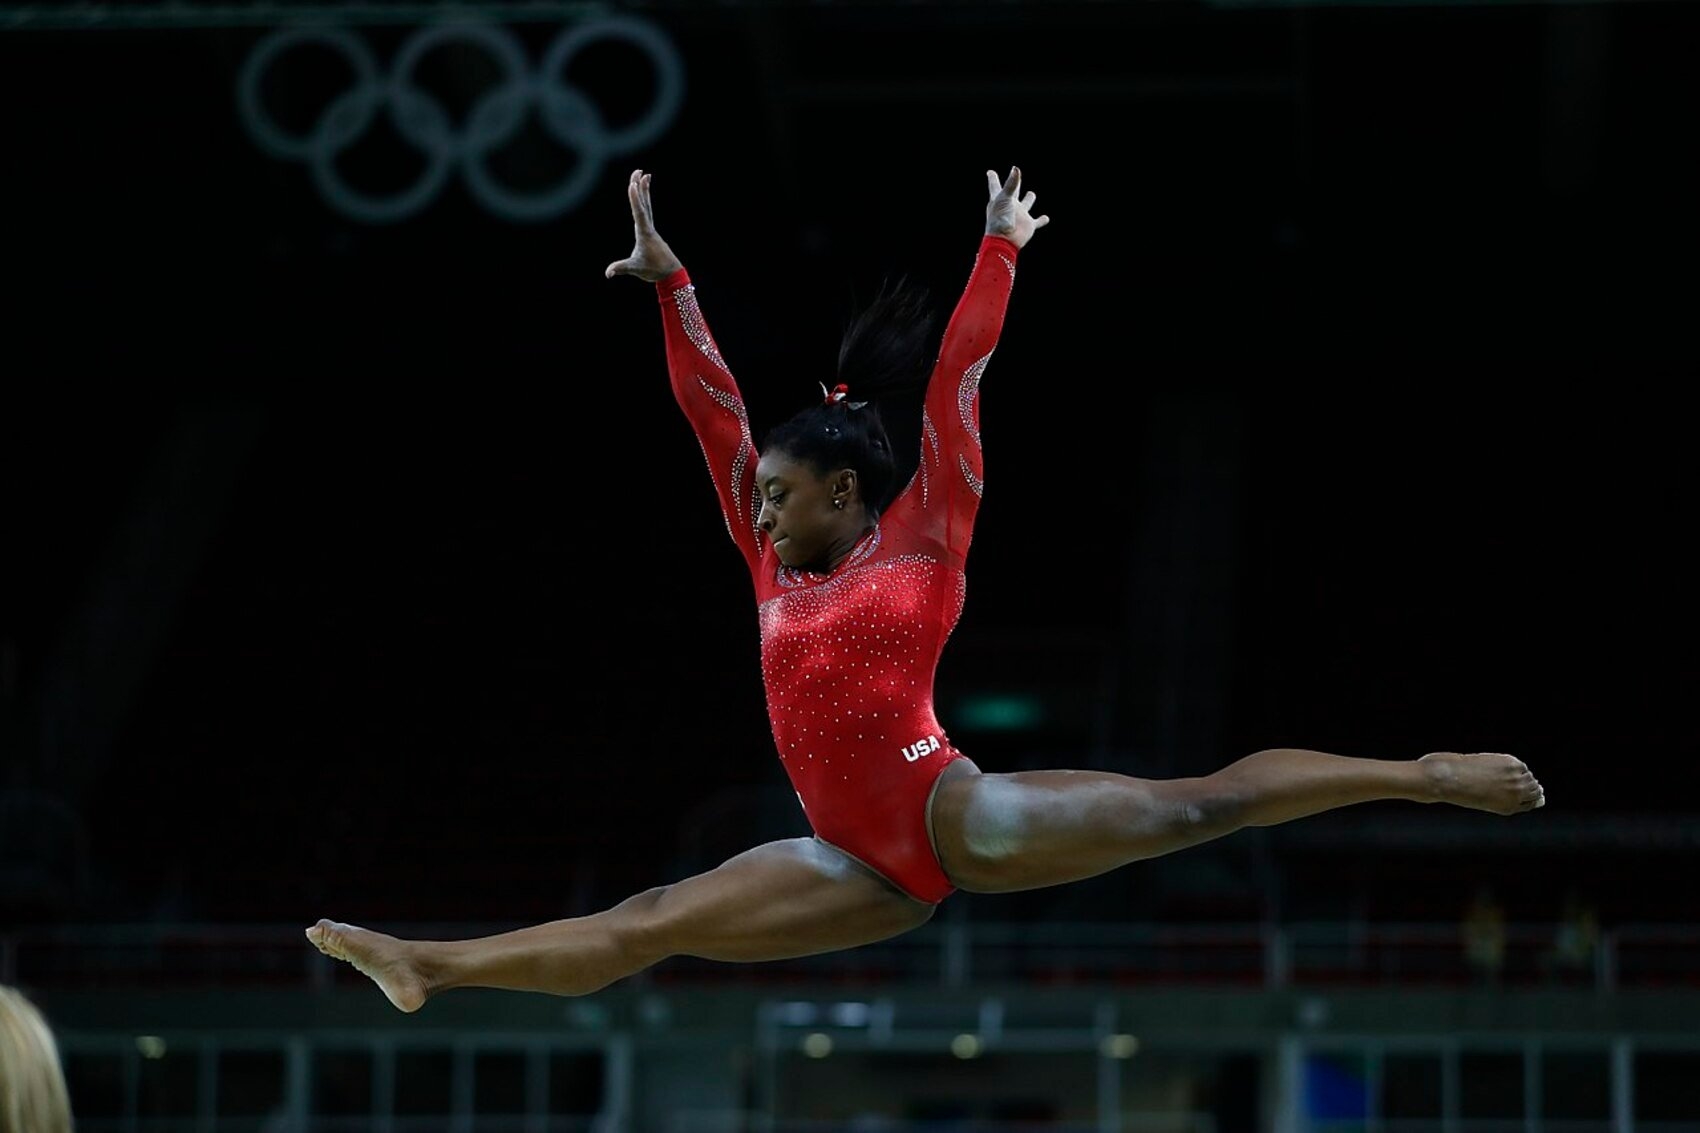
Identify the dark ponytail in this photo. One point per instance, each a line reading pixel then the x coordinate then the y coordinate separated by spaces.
pixel 884 360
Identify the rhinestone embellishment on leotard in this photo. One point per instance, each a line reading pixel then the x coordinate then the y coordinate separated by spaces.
pixel 930 437
pixel 846 663
pixel 965 394
pixel 690 315
pixel 975 484
pixel 741 458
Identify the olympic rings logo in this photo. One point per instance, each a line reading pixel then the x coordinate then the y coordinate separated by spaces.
pixel 566 113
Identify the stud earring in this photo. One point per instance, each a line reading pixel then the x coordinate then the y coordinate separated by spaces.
pixel 839 504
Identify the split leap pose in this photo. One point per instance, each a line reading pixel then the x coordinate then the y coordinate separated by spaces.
pixel 858 579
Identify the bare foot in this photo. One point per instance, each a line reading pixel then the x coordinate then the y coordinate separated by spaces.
pixel 1486 780
pixel 384 959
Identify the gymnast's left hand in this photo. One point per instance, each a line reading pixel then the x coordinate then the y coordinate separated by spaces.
pixel 651 259
pixel 1008 213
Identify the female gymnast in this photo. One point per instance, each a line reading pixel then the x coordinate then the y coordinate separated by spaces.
pixel 858 583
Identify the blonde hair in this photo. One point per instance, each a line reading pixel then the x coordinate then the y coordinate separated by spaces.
pixel 33 1098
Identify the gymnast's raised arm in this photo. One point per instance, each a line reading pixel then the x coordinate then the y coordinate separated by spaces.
pixel 702 383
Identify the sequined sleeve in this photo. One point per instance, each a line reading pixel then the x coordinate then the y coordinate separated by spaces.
pixel 709 396
pixel 944 495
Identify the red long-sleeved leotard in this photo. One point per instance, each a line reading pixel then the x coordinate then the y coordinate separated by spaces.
pixel 849 656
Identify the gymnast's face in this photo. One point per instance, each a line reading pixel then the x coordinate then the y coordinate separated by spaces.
pixel 798 512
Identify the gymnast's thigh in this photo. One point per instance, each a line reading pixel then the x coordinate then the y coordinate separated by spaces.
pixel 796 897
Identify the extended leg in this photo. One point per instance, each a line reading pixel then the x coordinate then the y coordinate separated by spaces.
pixel 1000 833
pixel 785 899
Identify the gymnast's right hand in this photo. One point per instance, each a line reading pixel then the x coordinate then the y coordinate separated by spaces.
pixel 651 258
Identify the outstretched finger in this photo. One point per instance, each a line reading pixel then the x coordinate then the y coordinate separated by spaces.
pixel 1027 201
pixel 1041 221
pixel 644 212
pixel 618 267
pixel 991 183
pixel 648 203
pixel 1012 184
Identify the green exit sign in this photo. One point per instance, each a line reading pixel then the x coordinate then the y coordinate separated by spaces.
pixel 1000 712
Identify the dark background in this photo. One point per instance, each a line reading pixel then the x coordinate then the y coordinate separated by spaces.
pixel 369 571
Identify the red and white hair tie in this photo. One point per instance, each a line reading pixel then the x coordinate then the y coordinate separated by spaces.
pixel 839 393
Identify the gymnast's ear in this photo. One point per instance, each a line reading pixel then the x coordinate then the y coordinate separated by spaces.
pixel 844 483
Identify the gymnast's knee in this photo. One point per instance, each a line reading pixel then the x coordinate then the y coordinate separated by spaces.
pixel 640 928
pixel 901 914
pixel 1212 805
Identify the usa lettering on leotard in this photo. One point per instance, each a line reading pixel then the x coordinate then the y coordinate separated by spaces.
pixel 921 747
